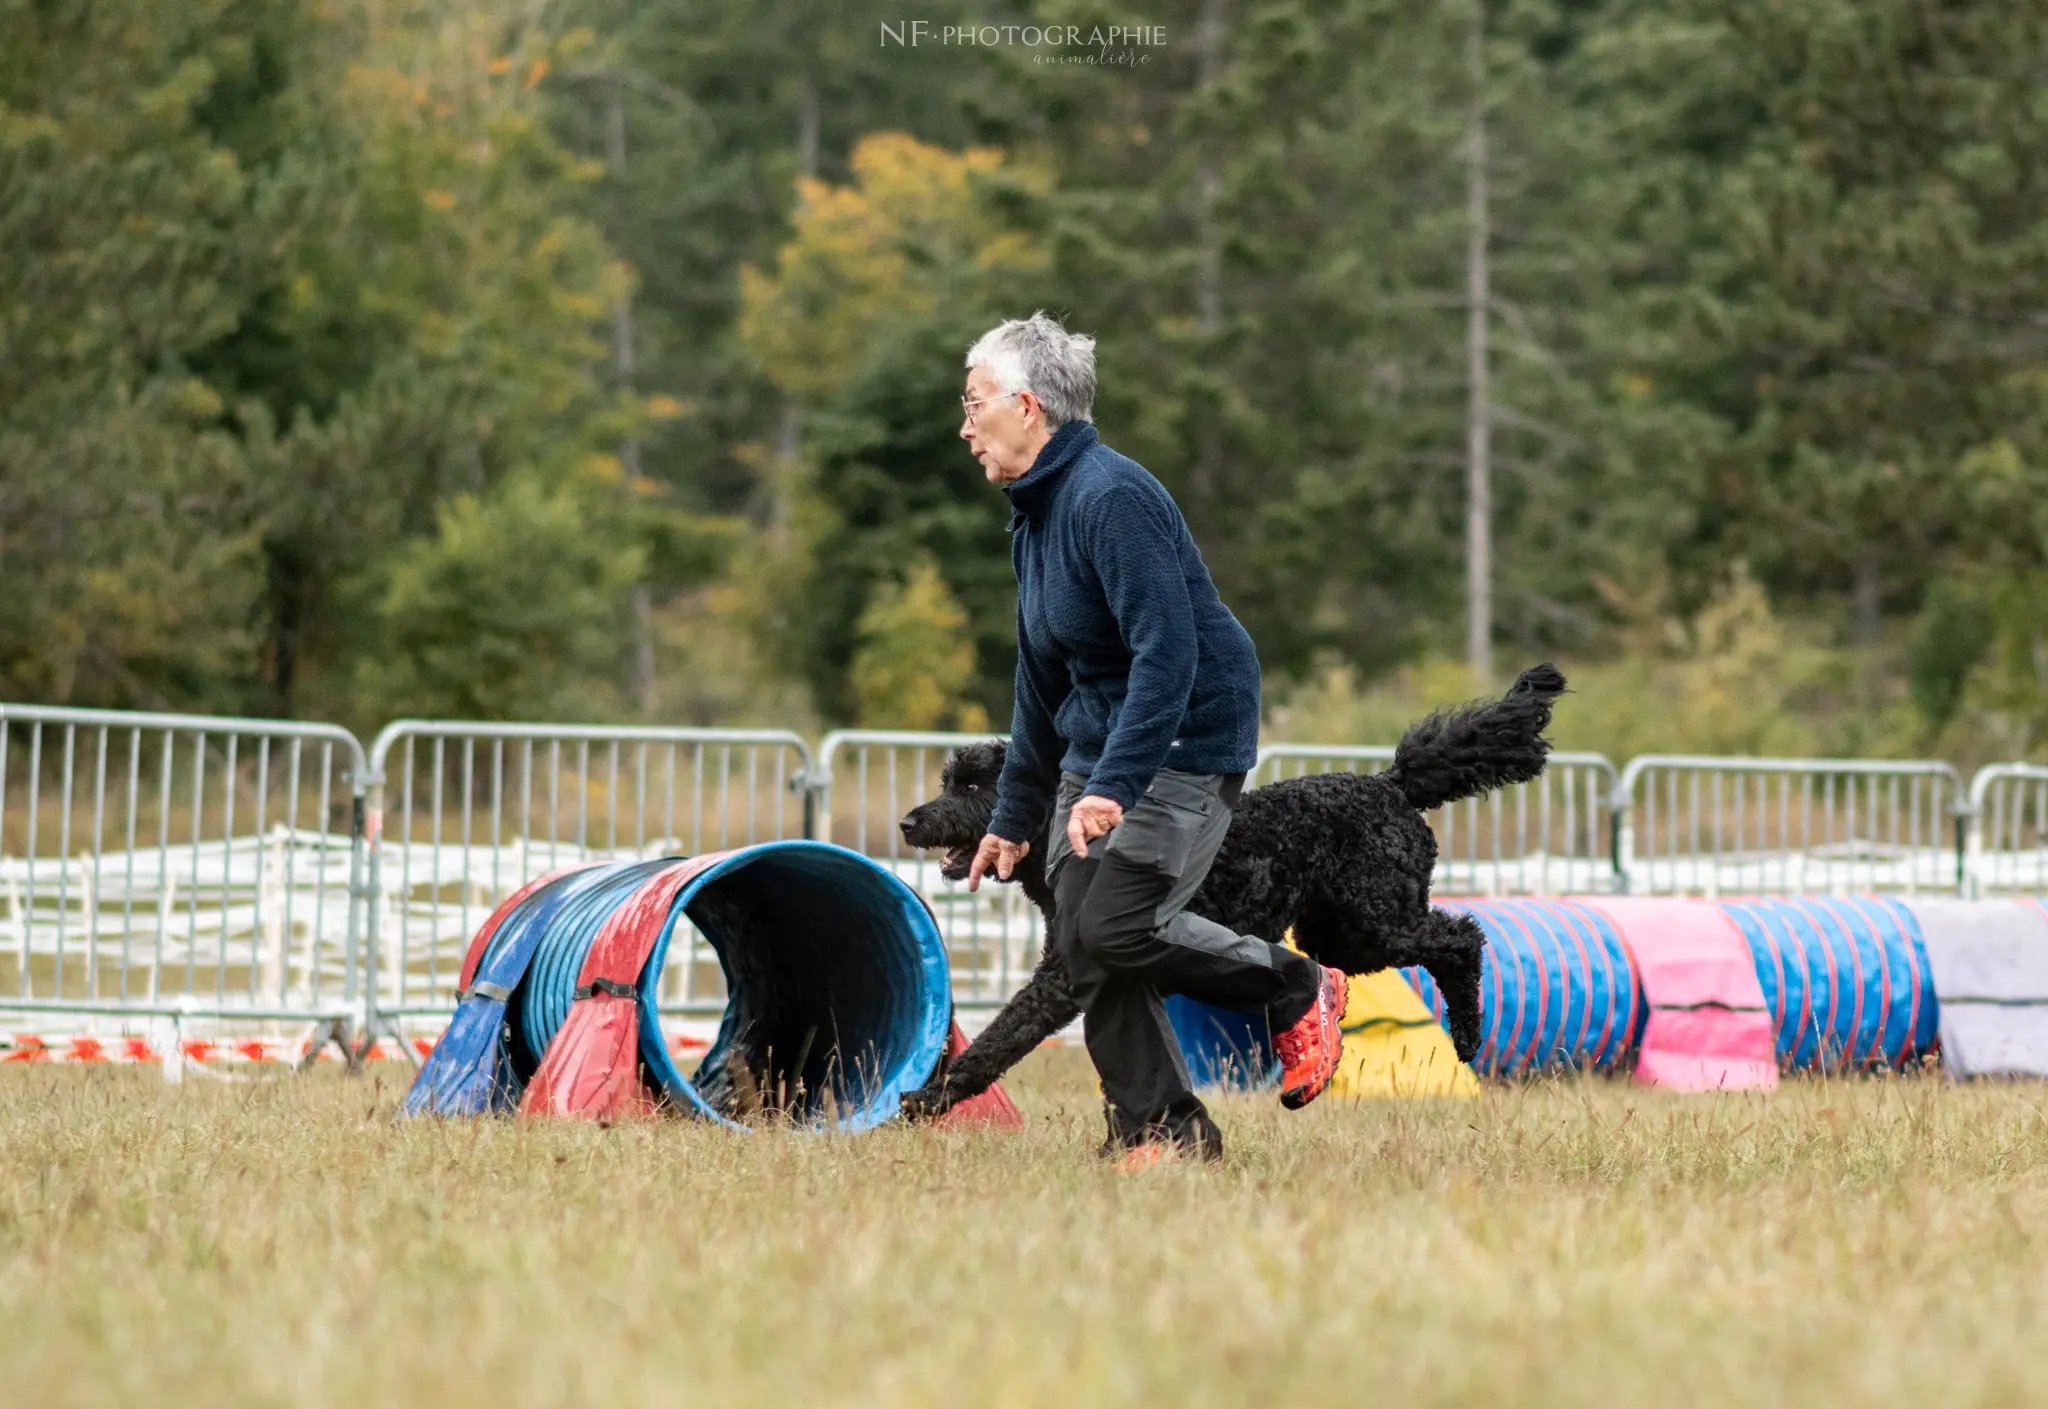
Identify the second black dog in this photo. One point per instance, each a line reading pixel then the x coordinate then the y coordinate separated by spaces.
pixel 1342 859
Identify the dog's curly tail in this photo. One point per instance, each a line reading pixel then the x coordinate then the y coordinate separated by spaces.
pixel 1471 749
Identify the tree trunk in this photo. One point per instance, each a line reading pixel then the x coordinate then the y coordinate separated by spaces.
pixel 807 124
pixel 641 673
pixel 1209 179
pixel 789 424
pixel 1868 593
pixel 285 585
pixel 1479 410
pixel 1209 250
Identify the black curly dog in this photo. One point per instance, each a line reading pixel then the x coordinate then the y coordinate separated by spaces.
pixel 1343 859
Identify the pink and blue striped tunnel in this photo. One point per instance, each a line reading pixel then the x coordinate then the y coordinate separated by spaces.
pixel 1845 980
pixel 1846 984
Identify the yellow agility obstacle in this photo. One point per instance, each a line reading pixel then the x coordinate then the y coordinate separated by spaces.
pixel 1394 1048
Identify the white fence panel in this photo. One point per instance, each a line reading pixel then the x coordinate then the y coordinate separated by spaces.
pixel 178 866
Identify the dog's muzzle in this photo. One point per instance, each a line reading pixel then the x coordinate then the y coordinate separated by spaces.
pixel 922 831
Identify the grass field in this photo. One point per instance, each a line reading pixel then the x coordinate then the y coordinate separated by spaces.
pixel 284 1243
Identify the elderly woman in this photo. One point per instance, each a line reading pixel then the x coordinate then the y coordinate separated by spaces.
pixel 1137 717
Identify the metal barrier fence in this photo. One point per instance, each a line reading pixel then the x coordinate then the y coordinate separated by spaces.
pixel 463 814
pixel 173 866
pixel 1788 826
pixel 2008 837
pixel 866 780
pixel 162 866
pixel 1550 836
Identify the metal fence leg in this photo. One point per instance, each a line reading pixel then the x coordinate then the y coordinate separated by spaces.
pixel 1621 829
pixel 375 1024
pixel 1967 842
pixel 817 786
pixel 337 1035
pixel 367 869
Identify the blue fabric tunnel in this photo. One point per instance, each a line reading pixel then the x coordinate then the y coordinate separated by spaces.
pixel 838 989
pixel 1556 987
pixel 1223 1047
pixel 1846 979
pixel 481 1064
pixel 836 978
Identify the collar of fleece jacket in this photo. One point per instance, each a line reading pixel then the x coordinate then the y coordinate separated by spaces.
pixel 1033 490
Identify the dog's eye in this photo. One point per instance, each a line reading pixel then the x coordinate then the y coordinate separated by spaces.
pixel 974 787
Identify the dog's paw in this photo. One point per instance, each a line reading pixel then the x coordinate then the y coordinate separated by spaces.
pixel 928 1102
pixel 1465 1038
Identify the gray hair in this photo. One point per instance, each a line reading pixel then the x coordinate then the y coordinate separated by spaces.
pixel 1037 355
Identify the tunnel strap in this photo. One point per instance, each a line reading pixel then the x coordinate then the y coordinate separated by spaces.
pixel 604 985
pixel 480 989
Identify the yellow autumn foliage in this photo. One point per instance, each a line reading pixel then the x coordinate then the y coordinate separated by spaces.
pixel 913 229
pixel 915 659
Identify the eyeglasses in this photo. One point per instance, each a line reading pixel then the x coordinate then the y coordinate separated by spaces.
pixel 970 409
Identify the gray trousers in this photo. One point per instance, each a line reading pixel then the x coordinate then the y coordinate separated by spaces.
pixel 1123 930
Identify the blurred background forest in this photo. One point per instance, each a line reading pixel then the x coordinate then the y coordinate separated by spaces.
pixel 586 359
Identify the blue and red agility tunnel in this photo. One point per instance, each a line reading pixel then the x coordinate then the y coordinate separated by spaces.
pixel 839 995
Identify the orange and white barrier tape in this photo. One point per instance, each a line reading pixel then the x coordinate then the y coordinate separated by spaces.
pixel 87 1050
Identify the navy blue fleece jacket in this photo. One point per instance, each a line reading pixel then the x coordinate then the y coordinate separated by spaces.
pixel 1127 660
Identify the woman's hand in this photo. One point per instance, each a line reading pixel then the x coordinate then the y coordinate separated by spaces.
pixel 1002 855
pixel 1092 817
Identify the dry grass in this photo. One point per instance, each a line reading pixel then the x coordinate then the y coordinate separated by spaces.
pixel 284 1243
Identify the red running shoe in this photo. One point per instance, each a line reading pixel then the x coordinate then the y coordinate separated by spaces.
pixel 1309 1050
pixel 1150 1155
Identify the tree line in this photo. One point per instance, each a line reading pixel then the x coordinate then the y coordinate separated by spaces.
pixel 395 356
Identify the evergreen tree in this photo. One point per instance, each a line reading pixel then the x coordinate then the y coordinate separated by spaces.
pixel 867 316
pixel 131 233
